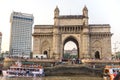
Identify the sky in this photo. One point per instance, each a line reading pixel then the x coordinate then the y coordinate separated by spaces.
pixel 99 11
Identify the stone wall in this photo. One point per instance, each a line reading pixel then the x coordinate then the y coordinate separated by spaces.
pixel 67 71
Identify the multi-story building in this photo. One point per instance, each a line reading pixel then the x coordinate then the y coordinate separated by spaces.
pixel 0 41
pixel 21 34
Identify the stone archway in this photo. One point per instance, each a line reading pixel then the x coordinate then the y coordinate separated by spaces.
pixel 46 53
pixel 45 48
pixel 97 49
pixel 88 37
pixel 97 55
pixel 71 38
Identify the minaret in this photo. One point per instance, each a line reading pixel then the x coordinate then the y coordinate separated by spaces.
pixel 56 12
pixel 56 35
pixel 85 37
pixel 85 11
pixel 85 16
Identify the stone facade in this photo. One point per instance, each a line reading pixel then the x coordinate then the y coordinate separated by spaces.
pixel 92 40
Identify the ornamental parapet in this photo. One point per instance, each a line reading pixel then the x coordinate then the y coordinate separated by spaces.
pixel 43 27
pixel 71 17
pixel 99 25
pixel 40 34
pixel 101 33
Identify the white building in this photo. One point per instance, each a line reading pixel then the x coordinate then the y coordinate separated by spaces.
pixel 0 41
pixel 21 34
pixel 71 52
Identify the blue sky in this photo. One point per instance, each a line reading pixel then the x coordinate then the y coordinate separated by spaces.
pixel 100 12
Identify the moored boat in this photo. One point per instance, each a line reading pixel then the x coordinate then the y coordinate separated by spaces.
pixel 110 72
pixel 20 70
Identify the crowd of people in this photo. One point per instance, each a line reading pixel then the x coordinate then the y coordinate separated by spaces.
pixel 112 74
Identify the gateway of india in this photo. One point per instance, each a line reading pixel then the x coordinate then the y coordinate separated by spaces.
pixel 92 40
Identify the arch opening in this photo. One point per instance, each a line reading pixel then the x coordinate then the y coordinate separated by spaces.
pixel 46 54
pixel 97 55
pixel 70 48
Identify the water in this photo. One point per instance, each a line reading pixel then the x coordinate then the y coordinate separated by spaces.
pixel 56 78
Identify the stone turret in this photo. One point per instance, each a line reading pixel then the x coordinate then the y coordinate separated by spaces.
pixel 85 33
pixel 56 15
pixel 85 11
pixel 85 16
pixel 56 12
pixel 56 35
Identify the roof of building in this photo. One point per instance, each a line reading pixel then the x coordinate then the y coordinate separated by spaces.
pixel 99 25
pixel 42 26
pixel 71 17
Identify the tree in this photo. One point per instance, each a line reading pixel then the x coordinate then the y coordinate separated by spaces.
pixel 117 55
pixel 1 55
pixel 66 56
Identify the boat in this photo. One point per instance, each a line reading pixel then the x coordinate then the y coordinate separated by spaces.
pixel 22 70
pixel 110 71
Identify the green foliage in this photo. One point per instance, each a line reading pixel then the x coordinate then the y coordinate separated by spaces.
pixel 74 56
pixel 117 55
pixel 68 56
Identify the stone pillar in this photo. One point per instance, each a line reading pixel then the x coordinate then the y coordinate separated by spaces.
pixel 85 46
pixel 56 45
pixel 36 47
pixel 85 42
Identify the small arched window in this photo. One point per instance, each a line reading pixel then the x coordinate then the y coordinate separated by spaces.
pixel 97 55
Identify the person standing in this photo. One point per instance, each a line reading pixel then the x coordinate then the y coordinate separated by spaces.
pixel 117 77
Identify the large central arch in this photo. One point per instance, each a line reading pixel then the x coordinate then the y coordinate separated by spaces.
pixel 71 38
